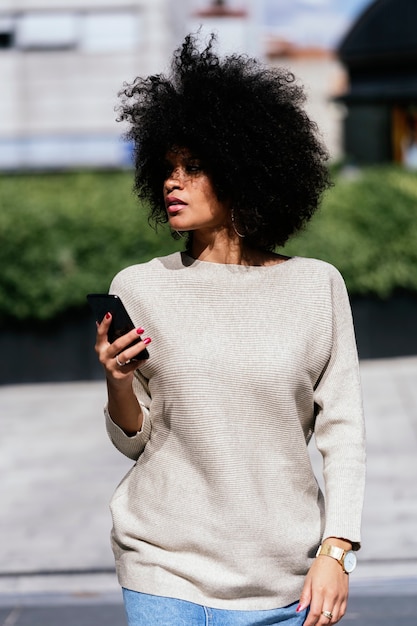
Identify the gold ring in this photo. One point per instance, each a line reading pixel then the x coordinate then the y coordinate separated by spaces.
pixel 327 614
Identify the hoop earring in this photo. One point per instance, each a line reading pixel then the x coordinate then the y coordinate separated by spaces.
pixel 232 215
pixel 179 234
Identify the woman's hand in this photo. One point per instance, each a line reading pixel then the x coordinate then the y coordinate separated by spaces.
pixel 115 357
pixel 326 589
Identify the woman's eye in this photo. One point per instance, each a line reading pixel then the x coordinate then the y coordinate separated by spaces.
pixel 191 168
pixel 194 167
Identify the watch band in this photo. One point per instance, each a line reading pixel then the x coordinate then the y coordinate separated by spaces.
pixel 346 558
pixel 333 551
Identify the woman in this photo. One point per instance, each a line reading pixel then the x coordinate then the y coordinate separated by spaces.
pixel 221 518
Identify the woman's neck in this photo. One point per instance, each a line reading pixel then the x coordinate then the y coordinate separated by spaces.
pixel 229 250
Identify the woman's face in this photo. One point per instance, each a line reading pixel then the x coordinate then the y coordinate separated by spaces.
pixel 190 200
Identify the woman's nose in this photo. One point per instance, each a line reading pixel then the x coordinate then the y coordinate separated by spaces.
pixel 175 180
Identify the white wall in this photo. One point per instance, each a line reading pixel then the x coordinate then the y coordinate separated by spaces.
pixel 61 76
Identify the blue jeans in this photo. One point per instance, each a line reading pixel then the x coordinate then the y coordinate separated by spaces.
pixel 146 610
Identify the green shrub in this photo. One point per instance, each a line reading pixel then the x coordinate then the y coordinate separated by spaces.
pixel 367 228
pixel 64 235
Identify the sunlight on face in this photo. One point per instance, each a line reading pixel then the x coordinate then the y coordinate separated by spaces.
pixel 190 199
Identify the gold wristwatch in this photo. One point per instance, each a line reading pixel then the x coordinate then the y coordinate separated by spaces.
pixel 346 558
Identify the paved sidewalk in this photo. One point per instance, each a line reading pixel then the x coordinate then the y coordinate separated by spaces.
pixel 58 471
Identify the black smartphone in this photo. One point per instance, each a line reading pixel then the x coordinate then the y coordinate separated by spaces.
pixel 102 303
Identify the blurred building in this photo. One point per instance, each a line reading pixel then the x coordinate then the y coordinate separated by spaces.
pixel 236 23
pixel 323 77
pixel 380 55
pixel 62 63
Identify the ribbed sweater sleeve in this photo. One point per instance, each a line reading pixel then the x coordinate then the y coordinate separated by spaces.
pixel 339 427
pixel 132 446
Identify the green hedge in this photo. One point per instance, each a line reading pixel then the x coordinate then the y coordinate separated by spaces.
pixel 367 228
pixel 63 235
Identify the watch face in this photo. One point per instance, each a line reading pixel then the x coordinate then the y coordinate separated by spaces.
pixel 349 562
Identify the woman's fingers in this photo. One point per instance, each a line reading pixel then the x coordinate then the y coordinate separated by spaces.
pixel 132 354
pixel 102 342
pixel 118 356
pixel 124 344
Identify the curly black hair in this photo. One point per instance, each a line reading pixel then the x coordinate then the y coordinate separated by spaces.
pixel 246 124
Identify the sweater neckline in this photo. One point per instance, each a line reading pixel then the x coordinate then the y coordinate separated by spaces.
pixel 189 261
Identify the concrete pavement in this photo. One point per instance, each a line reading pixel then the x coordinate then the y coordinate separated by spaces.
pixel 58 471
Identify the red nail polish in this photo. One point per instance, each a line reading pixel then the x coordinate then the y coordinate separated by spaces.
pixel 139 331
pixel 298 609
pixel 108 316
pixel 147 340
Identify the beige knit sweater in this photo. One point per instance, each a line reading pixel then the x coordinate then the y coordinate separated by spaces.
pixel 222 507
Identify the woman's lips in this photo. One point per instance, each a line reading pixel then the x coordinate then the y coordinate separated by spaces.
pixel 173 204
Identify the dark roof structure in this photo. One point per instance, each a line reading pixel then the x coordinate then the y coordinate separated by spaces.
pixel 380 53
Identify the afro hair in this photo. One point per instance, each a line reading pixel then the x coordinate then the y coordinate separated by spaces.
pixel 247 125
